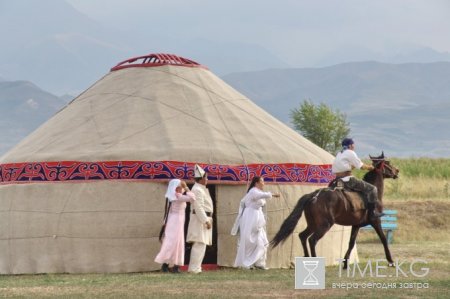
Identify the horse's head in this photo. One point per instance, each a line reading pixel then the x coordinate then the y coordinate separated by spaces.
pixel 384 166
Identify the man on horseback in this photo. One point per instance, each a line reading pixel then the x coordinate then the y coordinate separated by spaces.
pixel 346 160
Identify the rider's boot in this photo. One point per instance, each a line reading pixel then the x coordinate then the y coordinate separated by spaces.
pixel 373 214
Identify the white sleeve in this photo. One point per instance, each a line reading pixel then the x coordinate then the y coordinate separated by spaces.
pixel 185 198
pixel 259 194
pixel 355 161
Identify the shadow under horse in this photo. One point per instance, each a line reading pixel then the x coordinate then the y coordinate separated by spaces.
pixel 325 207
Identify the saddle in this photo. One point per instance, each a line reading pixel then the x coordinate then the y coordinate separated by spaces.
pixel 351 198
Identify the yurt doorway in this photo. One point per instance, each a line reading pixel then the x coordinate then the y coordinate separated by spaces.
pixel 211 251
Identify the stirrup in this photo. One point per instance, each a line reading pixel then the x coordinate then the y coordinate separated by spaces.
pixel 340 184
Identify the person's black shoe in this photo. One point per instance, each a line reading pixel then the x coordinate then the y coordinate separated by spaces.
pixel 176 269
pixel 165 267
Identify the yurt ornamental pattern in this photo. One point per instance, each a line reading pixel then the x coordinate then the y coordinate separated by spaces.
pixel 67 171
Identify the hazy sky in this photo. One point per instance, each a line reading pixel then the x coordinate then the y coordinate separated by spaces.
pixel 298 32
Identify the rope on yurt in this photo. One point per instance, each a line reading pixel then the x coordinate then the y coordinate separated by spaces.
pixel 208 92
pixel 227 129
pixel 10 229
pixel 74 99
pixel 60 252
pixel 202 86
pixel 291 252
pixel 273 129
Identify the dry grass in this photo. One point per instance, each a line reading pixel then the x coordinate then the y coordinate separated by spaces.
pixel 418 221
pixel 413 188
pixel 420 178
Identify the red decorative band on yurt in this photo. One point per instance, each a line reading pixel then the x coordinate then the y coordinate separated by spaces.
pixel 73 171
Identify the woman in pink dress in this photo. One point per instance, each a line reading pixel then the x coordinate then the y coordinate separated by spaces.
pixel 172 248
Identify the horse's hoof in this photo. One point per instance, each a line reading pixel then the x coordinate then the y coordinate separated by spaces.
pixel 391 265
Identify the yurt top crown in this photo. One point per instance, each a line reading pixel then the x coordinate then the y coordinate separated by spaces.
pixel 157 59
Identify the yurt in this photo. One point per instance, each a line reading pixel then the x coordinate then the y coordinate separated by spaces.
pixel 85 191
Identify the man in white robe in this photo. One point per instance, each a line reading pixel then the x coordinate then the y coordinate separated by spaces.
pixel 200 223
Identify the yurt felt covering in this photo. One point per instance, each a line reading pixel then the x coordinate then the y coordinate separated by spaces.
pixel 85 191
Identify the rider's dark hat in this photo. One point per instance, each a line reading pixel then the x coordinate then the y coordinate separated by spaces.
pixel 347 142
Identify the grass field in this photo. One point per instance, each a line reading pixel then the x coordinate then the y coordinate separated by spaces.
pixel 421 178
pixel 231 283
pixel 423 167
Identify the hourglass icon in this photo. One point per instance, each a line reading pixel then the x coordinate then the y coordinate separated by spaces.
pixel 310 279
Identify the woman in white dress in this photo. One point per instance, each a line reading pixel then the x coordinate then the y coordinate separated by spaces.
pixel 252 246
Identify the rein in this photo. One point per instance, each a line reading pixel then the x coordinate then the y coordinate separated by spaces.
pixel 383 166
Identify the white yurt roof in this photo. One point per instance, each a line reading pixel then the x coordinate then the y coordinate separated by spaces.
pixel 165 112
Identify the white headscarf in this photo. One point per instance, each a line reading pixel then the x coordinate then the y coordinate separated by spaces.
pixel 170 193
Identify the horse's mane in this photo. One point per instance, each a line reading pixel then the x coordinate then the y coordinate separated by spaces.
pixel 370 176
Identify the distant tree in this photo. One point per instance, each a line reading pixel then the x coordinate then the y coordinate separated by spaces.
pixel 321 125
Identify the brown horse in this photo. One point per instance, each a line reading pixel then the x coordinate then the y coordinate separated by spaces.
pixel 325 207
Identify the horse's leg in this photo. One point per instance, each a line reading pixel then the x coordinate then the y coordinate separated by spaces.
pixel 303 238
pixel 377 226
pixel 316 236
pixel 351 244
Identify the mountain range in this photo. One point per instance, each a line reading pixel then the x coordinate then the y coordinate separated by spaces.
pixel 51 51
pixel 64 51
pixel 399 108
pixel 23 107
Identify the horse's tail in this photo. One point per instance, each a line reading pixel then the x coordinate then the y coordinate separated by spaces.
pixel 291 221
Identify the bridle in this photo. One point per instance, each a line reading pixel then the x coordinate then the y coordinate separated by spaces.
pixel 385 168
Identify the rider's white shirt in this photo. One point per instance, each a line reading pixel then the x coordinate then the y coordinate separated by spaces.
pixel 346 161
